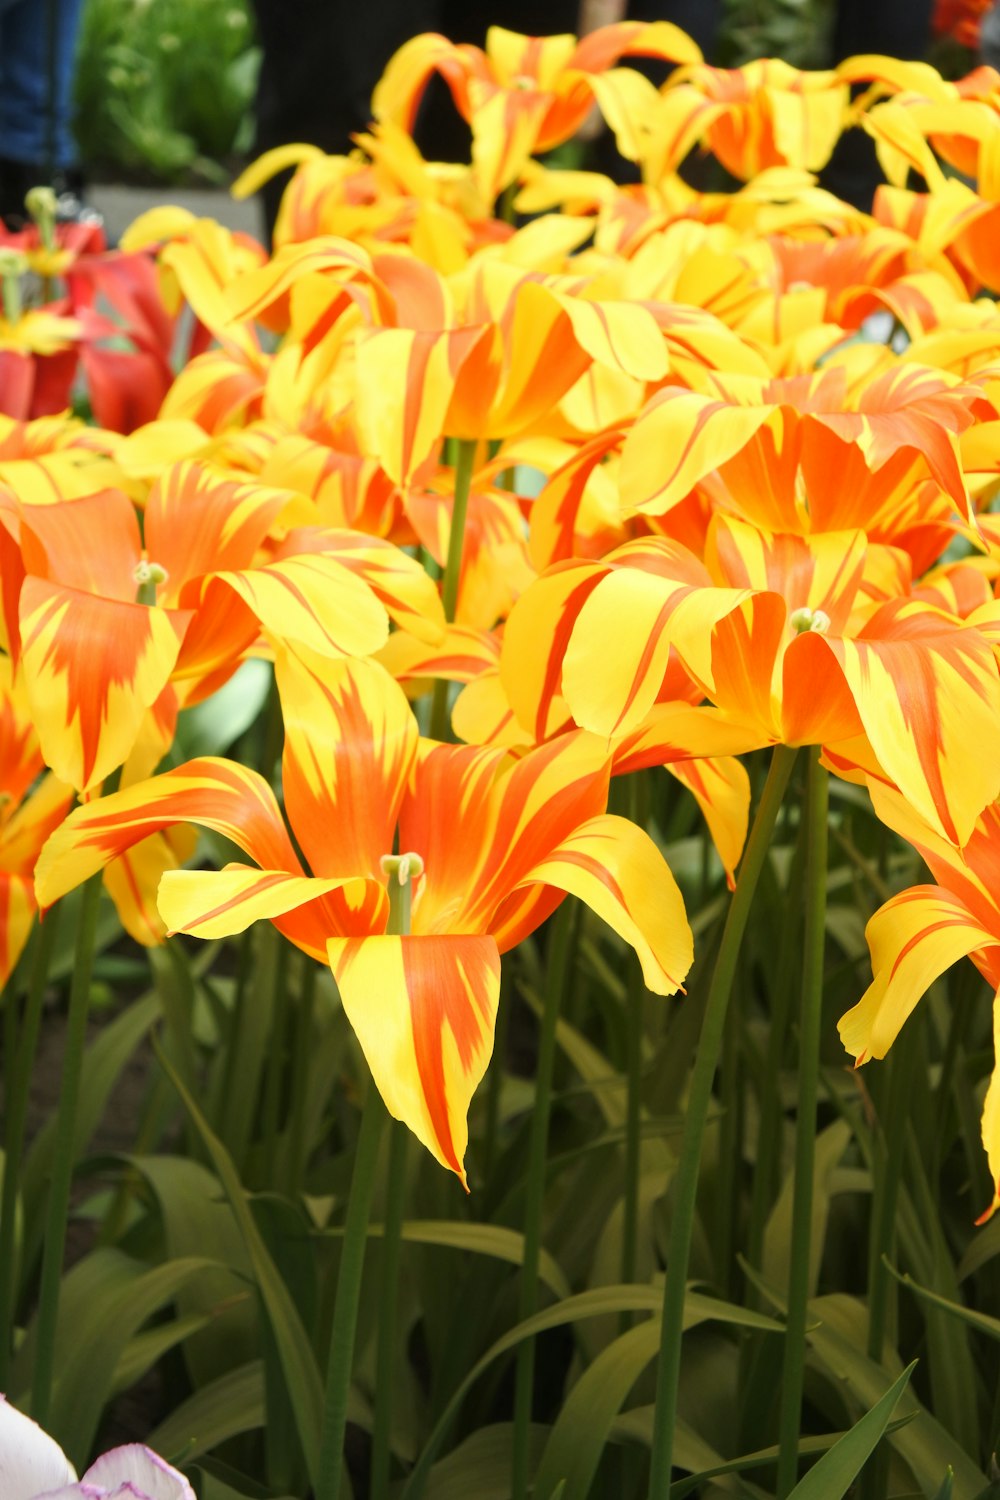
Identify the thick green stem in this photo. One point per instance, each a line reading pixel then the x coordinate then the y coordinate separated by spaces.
pixel 62 1160
pixel 301 1053
pixel 388 1304
pixel 634 996
pixel 559 964
pixel 810 1037
pixel 16 1108
pixel 465 458
pixel 699 1099
pixel 400 870
pixel 271 1110
pixel 890 1147
pixel 345 1307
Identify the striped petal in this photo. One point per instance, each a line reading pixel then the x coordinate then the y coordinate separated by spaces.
pixel 928 693
pixel 424 1010
pixel 678 438
pixel 990 1124
pixel 913 939
pixel 545 614
pixel 512 814
pixel 314 600
pixel 664 601
pixel 28 827
pixel 211 793
pixel 618 871
pixel 219 903
pixel 406 380
pixel 403 588
pixel 197 521
pixel 92 667
pixel 350 744
pixel 17 913
pixel 132 881
pixel 721 787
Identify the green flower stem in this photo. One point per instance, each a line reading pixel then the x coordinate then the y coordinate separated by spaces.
pixel 634 996
pixel 271 1109
pixel 21 1072
pixel 494 1090
pixel 561 938
pixel 816 814
pixel 388 1303
pixel 301 1052
pixel 890 1148
pixel 62 1160
pixel 345 1307
pixel 398 869
pixel 766 1177
pixel 465 458
pixel 699 1099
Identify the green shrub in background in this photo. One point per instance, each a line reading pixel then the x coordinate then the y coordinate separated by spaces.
pixel 165 88
pixel 796 30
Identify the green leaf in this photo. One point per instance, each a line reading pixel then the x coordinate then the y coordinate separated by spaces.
pixel 480 1466
pixel 305 1386
pixel 142 1352
pixel 837 1335
pixel 832 1476
pixel 592 1304
pixel 103 1063
pixel 981 1321
pixel 209 728
pixel 831 1144
pixel 195 1214
pixel 105 1299
pixel 573 1451
pixel 478 1239
pixel 222 1409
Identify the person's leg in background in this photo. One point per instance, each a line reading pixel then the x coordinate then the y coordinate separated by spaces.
pixel 37 57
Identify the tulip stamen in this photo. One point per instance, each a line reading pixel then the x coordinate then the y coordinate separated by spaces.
pixel 400 870
pixel 814 621
pixel 147 576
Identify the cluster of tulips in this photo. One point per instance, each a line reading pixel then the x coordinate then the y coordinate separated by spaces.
pixel 523 481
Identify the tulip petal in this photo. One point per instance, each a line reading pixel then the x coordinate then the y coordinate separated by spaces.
pixel 132 881
pixel 678 438
pixel 424 1010
pixel 17 913
pixel 219 903
pixel 30 1461
pixel 92 667
pixel 928 694
pixel 990 1123
pixel 315 601
pixel 403 588
pixel 721 787
pixel 139 1467
pixel 621 875
pixel 350 744
pixel 913 939
pixel 212 793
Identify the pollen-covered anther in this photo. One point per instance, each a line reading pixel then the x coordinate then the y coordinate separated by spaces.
pixel 149 572
pixel 405 867
pixel 815 620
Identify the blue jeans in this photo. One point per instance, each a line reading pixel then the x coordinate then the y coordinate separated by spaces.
pixel 34 128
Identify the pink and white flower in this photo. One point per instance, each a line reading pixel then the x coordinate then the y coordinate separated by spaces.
pixel 34 1467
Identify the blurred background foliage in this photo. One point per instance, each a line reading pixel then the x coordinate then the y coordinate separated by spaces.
pixel 165 88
